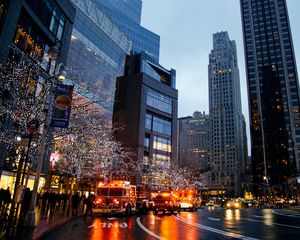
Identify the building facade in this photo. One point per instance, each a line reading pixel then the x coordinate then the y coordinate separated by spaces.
pixel 183 140
pixel 97 54
pixel 194 141
pixel 226 119
pixel 273 91
pixel 145 114
pixel 127 14
pixel 32 27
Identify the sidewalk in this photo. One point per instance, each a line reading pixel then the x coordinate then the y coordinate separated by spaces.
pixel 46 223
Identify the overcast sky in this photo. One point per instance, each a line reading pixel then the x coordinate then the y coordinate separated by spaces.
pixel 186 27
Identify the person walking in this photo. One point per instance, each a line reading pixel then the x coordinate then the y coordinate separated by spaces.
pixel 89 205
pixel 75 204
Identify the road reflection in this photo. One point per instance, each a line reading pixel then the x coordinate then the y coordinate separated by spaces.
pixel 110 228
pixel 268 217
pixel 233 220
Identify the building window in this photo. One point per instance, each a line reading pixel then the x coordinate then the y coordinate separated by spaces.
pixel 159 101
pixel 161 160
pixel 147 142
pixel 148 124
pixel 161 125
pixel 49 15
pixel 57 24
pixel 28 45
pixel 162 144
pixel 158 124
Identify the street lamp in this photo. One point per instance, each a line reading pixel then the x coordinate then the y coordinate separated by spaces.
pixel 52 54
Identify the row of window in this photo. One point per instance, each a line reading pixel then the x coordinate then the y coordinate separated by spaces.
pixel 159 101
pixel 49 15
pixel 158 124
pixel 159 143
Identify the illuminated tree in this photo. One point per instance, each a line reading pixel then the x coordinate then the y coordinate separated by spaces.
pixel 23 92
pixel 87 148
pixel 169 176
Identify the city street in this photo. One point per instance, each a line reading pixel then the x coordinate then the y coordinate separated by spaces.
pixel 208 223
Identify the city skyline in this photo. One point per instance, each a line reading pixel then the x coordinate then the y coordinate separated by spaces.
pixel 186 42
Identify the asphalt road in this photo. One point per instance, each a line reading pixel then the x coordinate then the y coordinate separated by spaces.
pixel 207 223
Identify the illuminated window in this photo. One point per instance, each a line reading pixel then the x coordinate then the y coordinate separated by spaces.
pixel 27 44
pixel 162 144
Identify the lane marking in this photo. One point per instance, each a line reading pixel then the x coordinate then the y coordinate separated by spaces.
pixel 295 215
pixel 258 216
pixel 109 225
pixel 214 219
pixel 215 230
pixel 138 220
pixel 92 225
pixel 277 224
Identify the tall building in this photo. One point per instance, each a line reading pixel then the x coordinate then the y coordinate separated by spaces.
pixel 227 149
pixel 97 54
pixel 127 14
pixel 183 140
pixel 194 141
pixel 145 114
pixel 273 91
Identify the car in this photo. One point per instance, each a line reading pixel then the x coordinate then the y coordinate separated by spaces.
pixel 233 204
pixel 210 203
pixel 165 202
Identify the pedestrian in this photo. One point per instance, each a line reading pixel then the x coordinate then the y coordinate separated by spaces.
pixel 7 197
pixel 25 204
pixel 75 204
pixel 89 205
pixel 52 202
pixel 45 201
pixel 1 196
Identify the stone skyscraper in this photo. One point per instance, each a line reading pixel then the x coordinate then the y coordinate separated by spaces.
pixel 273 91
pixel 226 119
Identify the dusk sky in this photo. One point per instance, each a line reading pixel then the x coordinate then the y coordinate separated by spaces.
pixel 186 29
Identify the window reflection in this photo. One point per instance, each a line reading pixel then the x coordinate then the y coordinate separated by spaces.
pixel 159 101
pixel 162 144
pixel 49 15
pixel 158 124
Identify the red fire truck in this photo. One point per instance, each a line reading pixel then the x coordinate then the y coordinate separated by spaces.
pixel 115 197
pixel 187 198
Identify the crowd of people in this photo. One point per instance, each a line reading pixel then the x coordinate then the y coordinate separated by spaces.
pixel 50 202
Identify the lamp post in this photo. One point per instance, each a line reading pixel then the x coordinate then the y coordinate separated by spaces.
pixel 52 54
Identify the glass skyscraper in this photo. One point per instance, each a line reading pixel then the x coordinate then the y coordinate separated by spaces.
pixel 97 54
pixel 127 14
pixel 227 150
pixel 273 91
